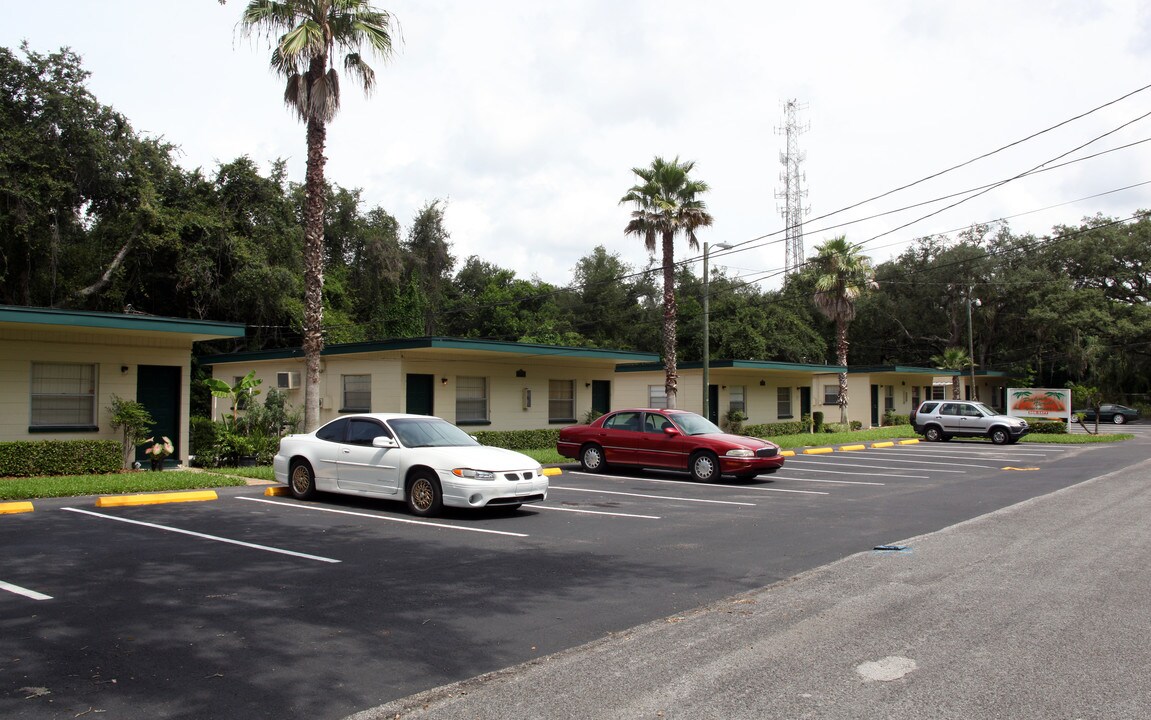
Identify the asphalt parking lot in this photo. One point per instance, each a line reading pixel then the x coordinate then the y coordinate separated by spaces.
pixel 261 606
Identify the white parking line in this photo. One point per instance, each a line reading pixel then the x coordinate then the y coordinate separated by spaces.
pixel 840 463
pixel 23 591
pixel 655 497
pixel 837 482
pixel 846 472
pixel 831 459
pixel 702 485
pixel 202 535
pixel 596 512
pixel 294 506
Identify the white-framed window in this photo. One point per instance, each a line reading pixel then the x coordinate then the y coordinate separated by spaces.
pixel 938 392
pixel 888 398
pixel 657 397
pixel 63 395
pixel 561 400
pixel 471 399
pixel 357 393
pixel 783 402
pixel 737 399
pixel 831 394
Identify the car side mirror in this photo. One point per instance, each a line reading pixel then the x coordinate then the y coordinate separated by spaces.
pixel 383 441
pixel 671 431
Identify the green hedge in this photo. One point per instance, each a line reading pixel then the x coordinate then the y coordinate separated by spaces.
pixel 519 439
pixel 30 458
pixel 1048 427
pixel 770 430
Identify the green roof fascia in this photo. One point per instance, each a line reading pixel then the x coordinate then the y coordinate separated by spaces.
pixel 426 343
pixel 734 364
pixel 903 369
pixel 116 321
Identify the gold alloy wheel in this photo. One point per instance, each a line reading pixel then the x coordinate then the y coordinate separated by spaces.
pixel 423 494
pixel 301 479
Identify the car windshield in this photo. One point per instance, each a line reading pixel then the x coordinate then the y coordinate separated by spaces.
pixel 693 424
pixel 430 432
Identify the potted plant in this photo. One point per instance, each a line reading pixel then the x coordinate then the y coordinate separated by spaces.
pixel 158 451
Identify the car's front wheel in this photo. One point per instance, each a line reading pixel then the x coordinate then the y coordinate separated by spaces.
pixel 1000 436
pixel 705 467
pixel 1119 419
pixel 933 434
pixel 425 498
pixel 591 459
pixel 301 480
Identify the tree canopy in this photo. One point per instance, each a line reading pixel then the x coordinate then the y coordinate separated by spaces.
pixel 96 216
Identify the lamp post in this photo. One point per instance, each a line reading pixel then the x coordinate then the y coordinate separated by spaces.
pixel 706 333
pixel 971 340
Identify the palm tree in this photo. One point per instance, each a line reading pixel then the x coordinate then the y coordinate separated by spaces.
pixel 308 33
pixel 953 358
pixel 842 275
pixel 666 205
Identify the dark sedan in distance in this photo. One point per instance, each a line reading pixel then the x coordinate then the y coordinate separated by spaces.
pixel 1112 413
pixel 668 440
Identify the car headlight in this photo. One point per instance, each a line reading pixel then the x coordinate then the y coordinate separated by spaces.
pixel 474 474
pixel 740 452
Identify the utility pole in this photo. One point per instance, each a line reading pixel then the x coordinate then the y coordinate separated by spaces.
pixel 793 193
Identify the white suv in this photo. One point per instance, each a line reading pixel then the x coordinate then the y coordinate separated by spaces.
pixel 941 420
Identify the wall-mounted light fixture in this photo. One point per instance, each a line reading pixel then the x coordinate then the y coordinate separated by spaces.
pixel 587 385
pixel 443 381
pixel 521 373
pixel 123 368
pixel 762 383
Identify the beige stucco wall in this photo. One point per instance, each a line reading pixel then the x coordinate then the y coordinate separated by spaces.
pixel 761 401
pixel 505 390
pixel 20 348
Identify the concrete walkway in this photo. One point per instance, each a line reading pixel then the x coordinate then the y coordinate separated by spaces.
pixel 1039 610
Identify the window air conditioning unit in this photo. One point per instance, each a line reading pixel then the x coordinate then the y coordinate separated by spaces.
pixel 288 380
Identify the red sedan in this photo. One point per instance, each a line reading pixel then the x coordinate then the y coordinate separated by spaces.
pixel 667 439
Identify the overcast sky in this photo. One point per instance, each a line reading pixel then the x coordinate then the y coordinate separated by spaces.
pixel 527 117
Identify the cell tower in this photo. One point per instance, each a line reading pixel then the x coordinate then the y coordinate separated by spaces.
pixel 793 193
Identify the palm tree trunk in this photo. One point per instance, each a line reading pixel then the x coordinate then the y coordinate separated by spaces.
pixel 671 371
pixel 313 271
pixel 841 357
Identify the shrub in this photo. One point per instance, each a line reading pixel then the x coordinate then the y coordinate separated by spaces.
pixel 769 430
pixel 891 418
pixel 202 440
pixel 518 439
pixel 733 422
pixel 1048 427
pixel 817 421
pixel 30 458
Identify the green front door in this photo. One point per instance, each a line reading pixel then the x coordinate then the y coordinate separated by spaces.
pixel 420 394
pixel 874 406
pixel 158 390
pixel 601 396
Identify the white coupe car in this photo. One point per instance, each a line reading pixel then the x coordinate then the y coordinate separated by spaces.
pixel 425 461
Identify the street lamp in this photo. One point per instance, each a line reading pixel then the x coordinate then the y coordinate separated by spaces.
pixel 706 335
pixel 971 340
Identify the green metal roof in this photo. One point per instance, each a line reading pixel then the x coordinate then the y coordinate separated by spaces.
pixel 116 321
pixel 424 343
pixel 734 364
pixel 905 369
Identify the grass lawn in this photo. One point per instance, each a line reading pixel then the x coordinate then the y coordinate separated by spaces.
pixel 119 483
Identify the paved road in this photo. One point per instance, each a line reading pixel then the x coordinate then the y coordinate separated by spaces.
pixel 1037 610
